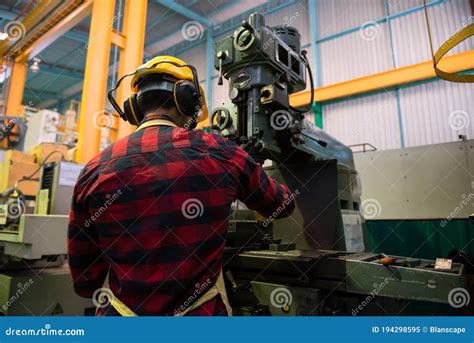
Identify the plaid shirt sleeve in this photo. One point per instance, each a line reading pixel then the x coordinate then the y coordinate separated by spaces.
pixel 87 264
pixel 256 189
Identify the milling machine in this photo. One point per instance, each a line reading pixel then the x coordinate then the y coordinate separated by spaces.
pixel 315 262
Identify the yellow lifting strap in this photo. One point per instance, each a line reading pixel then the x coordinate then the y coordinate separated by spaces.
pixel 452 41
pixel 217 289
pixel 156 122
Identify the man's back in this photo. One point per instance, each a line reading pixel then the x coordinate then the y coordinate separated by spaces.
pixel 154 207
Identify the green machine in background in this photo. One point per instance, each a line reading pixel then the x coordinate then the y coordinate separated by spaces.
pixel 34 276
pixel 316 262
pixel 426 211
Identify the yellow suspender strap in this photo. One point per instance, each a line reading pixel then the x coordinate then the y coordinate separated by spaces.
pixel 217 289
pixel 121 308
pixel 155 122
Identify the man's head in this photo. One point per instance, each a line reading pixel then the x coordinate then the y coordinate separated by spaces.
pixel 153 99
pixel 166 85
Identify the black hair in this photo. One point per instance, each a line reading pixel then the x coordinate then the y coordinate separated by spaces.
pixel 149 99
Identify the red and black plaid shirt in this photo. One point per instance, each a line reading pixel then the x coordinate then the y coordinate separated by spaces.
pixel 152 210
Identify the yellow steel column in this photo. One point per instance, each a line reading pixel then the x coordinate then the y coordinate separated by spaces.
pixel 95 79
pixel 15 89
pixel 132 54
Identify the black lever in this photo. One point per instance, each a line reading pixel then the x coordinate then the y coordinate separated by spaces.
pixel 221 55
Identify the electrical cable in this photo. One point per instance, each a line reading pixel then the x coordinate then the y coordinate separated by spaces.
pixel 310 74
pixel 30 177
pixel 429 30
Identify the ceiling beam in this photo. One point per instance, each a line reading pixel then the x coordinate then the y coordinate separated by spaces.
pixel 184 11
pixel 41 94
pixel 60 72
pixel 220 28
pixel 71 19
pixel 72 34
pixel 7 15
pixel 166 16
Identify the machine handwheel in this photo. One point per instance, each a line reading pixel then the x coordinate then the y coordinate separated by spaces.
pixel 222 117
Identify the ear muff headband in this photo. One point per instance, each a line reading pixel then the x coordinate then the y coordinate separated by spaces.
pixel 121 112
pixel 111 98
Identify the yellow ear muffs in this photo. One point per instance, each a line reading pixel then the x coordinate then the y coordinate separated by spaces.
pixel 188 95
pixel 186 98
pixel 131 112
